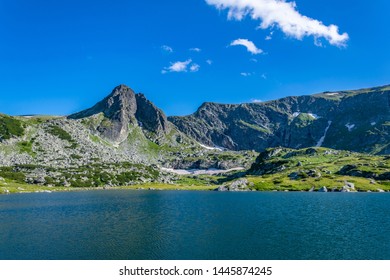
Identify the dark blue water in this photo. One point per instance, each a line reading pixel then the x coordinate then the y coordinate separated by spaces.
pixel 194 225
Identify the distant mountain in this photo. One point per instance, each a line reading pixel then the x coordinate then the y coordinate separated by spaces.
pixel 348 120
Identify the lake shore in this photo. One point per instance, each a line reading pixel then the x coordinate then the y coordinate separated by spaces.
pixel 27 188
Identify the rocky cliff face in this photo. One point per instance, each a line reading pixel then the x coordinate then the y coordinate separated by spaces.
pixel 350 120
pixel 151 119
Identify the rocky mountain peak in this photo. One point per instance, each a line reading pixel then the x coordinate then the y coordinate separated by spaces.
pixel 121 108
pixel 119 103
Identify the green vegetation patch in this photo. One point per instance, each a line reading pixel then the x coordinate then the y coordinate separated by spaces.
pixel 303 120
pixel 26 147
pixel 255 127
pixel 10 127
pixel 387 123
pixel 12 173
pixel 62 134
pixel 91 176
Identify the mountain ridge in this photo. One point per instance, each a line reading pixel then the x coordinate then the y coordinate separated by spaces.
pixel 354 120
pixel 295 122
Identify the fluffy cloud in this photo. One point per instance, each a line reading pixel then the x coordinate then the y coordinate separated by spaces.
pixel 194 67
pixel 167 49
pixel 195 50
pixel 209 61
pixel 246 74
pixel 284 15
pixel 181 66
pixel 250 46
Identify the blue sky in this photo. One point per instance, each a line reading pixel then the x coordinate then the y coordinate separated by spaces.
pixel 58 57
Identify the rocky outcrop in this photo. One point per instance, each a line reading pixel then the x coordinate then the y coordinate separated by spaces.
pixel 359 171
pixel 323 189
pixel 239 185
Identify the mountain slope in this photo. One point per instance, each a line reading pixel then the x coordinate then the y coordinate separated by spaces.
pixel 350 120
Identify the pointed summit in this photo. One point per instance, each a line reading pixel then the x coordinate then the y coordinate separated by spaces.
pixel 122 108
pixel 121 99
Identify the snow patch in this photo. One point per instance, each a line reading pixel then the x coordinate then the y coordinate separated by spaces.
pixel 314 116
pixel 296 114
pixel 373 123
pixel 332 93
pixel 211 171
pixel 211 148
pixel 322 139
pixel 350 126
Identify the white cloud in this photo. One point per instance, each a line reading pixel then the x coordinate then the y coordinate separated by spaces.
pixel 181 66
pixel 250 46
pixel 195 50
pixel 209 61
pixel 253 60
pixel 269 37
pixel 194 67
pixel 245 74
pixel 167 49
pixel 264 76
pixel 254 100
pixel 283 15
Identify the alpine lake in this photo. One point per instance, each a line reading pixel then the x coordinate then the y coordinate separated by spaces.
pixel 194 225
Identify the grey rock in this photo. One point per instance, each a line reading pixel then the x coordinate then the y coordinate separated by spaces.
pixel 222 189
pixel 294 176
pixel 345 189
pixel 237 185
pixel 323 189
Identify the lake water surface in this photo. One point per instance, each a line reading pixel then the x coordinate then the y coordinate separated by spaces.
pixel 194 225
